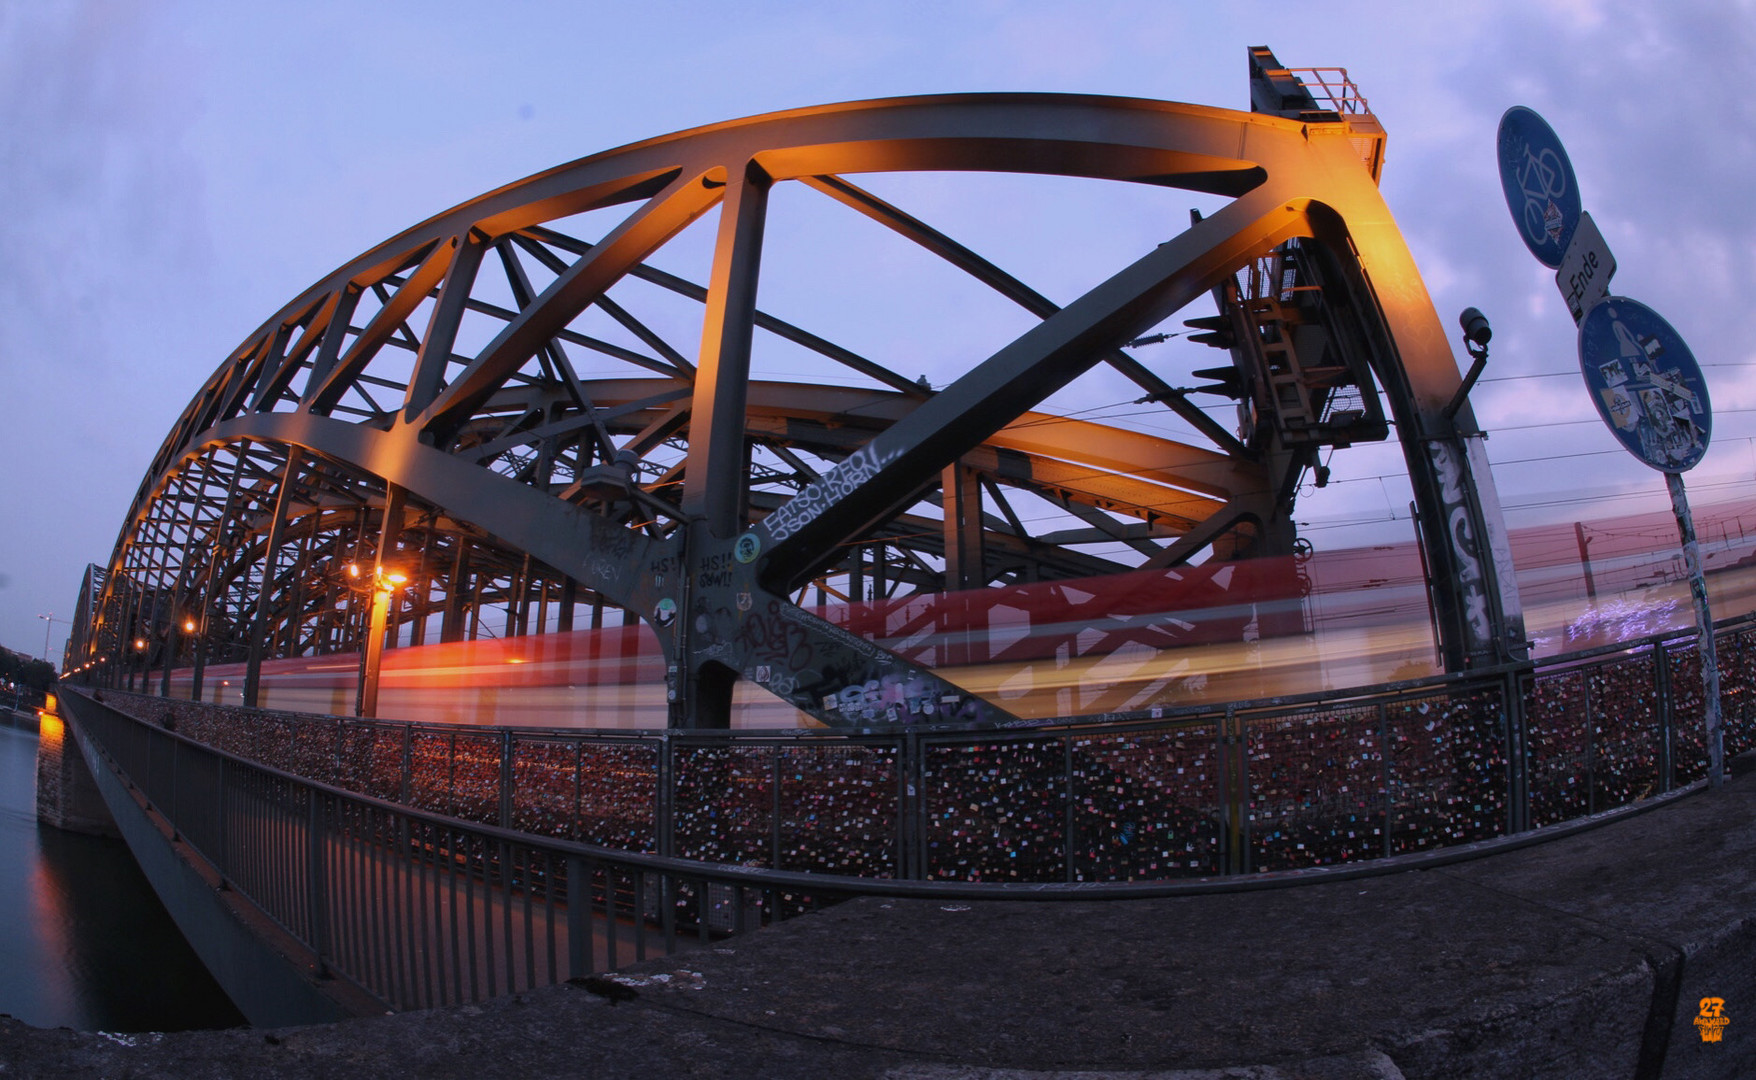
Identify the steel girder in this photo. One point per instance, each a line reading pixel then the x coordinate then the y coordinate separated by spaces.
pixel 438 368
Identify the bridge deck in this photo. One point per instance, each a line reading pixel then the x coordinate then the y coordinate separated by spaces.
pixel 1586 956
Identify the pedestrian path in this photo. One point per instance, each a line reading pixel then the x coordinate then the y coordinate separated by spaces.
pixel 1588 956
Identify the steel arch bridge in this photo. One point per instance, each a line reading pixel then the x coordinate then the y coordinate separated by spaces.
pixel 484 405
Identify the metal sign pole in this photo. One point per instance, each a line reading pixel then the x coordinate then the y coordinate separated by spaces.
pixel 1641 375
pixel 1704 620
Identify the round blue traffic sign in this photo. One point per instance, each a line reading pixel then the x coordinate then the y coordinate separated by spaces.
pixel 1645 383
pixel 1541 190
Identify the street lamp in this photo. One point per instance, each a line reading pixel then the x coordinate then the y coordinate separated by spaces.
pixel 385 583
pixel 49 622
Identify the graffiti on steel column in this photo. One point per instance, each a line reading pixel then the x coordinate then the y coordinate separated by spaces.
pixel 822 669
pixel 888 690
pixel 715 571
pixel 901 698
pixel 860 466
pixel 609 550
pixel 1460 533
pixel 603 569
pixel 713 625
pixel 774 652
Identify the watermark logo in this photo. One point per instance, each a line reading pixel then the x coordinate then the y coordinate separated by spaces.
pixel 1712 1020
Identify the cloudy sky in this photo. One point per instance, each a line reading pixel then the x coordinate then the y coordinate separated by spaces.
pixel 172 172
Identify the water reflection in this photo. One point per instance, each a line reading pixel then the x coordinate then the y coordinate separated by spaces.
pixel 84 942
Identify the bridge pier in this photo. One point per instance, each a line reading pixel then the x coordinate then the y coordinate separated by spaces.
pixel 67 796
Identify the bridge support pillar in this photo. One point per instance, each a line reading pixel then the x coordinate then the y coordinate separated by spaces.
pixel 67 796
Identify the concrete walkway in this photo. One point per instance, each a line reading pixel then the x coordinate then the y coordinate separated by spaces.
pixel 1585 957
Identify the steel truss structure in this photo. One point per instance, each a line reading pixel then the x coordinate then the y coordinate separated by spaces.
pixel 429 407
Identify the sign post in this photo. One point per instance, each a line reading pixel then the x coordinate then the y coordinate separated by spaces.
pixel 1541 190
pixel 1586 269
pixel 1649 390
pixel 1703 619
pixel 1642 378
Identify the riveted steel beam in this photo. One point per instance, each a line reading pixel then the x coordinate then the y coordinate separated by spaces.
pixel 898 462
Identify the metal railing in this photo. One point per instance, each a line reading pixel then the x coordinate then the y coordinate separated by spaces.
pixel 1256 786
pixel 1331 86
pixel 416 909
pixel 430 865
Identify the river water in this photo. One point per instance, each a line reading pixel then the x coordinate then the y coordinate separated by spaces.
pixel 84 941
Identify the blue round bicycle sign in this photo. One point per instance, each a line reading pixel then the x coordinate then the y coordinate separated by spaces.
pixel 1541 190
pixel 1645 383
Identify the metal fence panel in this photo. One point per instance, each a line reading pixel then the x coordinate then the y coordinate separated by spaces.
pixel 1146 804
pixel 1316 794
pixel 996 809
pixel 1559 747
pixel 1625 731
pixel 723 800
pixel 1303 782
pixel 1448 769
pixel 837 809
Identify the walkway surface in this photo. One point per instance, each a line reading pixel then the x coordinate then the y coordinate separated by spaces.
pixel 1584 957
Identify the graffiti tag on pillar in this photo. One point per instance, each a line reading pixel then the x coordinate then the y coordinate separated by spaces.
pixel 823 668
pixel 861 466
pixel 715 572
pixel 769 637
pixel 1465 545
pixel 898 698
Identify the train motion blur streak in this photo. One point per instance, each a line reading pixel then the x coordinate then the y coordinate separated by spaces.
pixel 1223 631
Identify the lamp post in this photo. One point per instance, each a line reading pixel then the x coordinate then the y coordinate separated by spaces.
pixel 195 625
pixel 139 664
pixel 49 622
pixel 385 583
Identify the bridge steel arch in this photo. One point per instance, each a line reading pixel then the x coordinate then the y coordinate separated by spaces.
pixel 423 405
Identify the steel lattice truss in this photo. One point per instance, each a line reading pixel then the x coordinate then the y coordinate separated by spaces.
pixel 485 402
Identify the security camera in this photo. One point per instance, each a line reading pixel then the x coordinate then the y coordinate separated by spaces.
pixel 1475 326
pixel 1476 333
